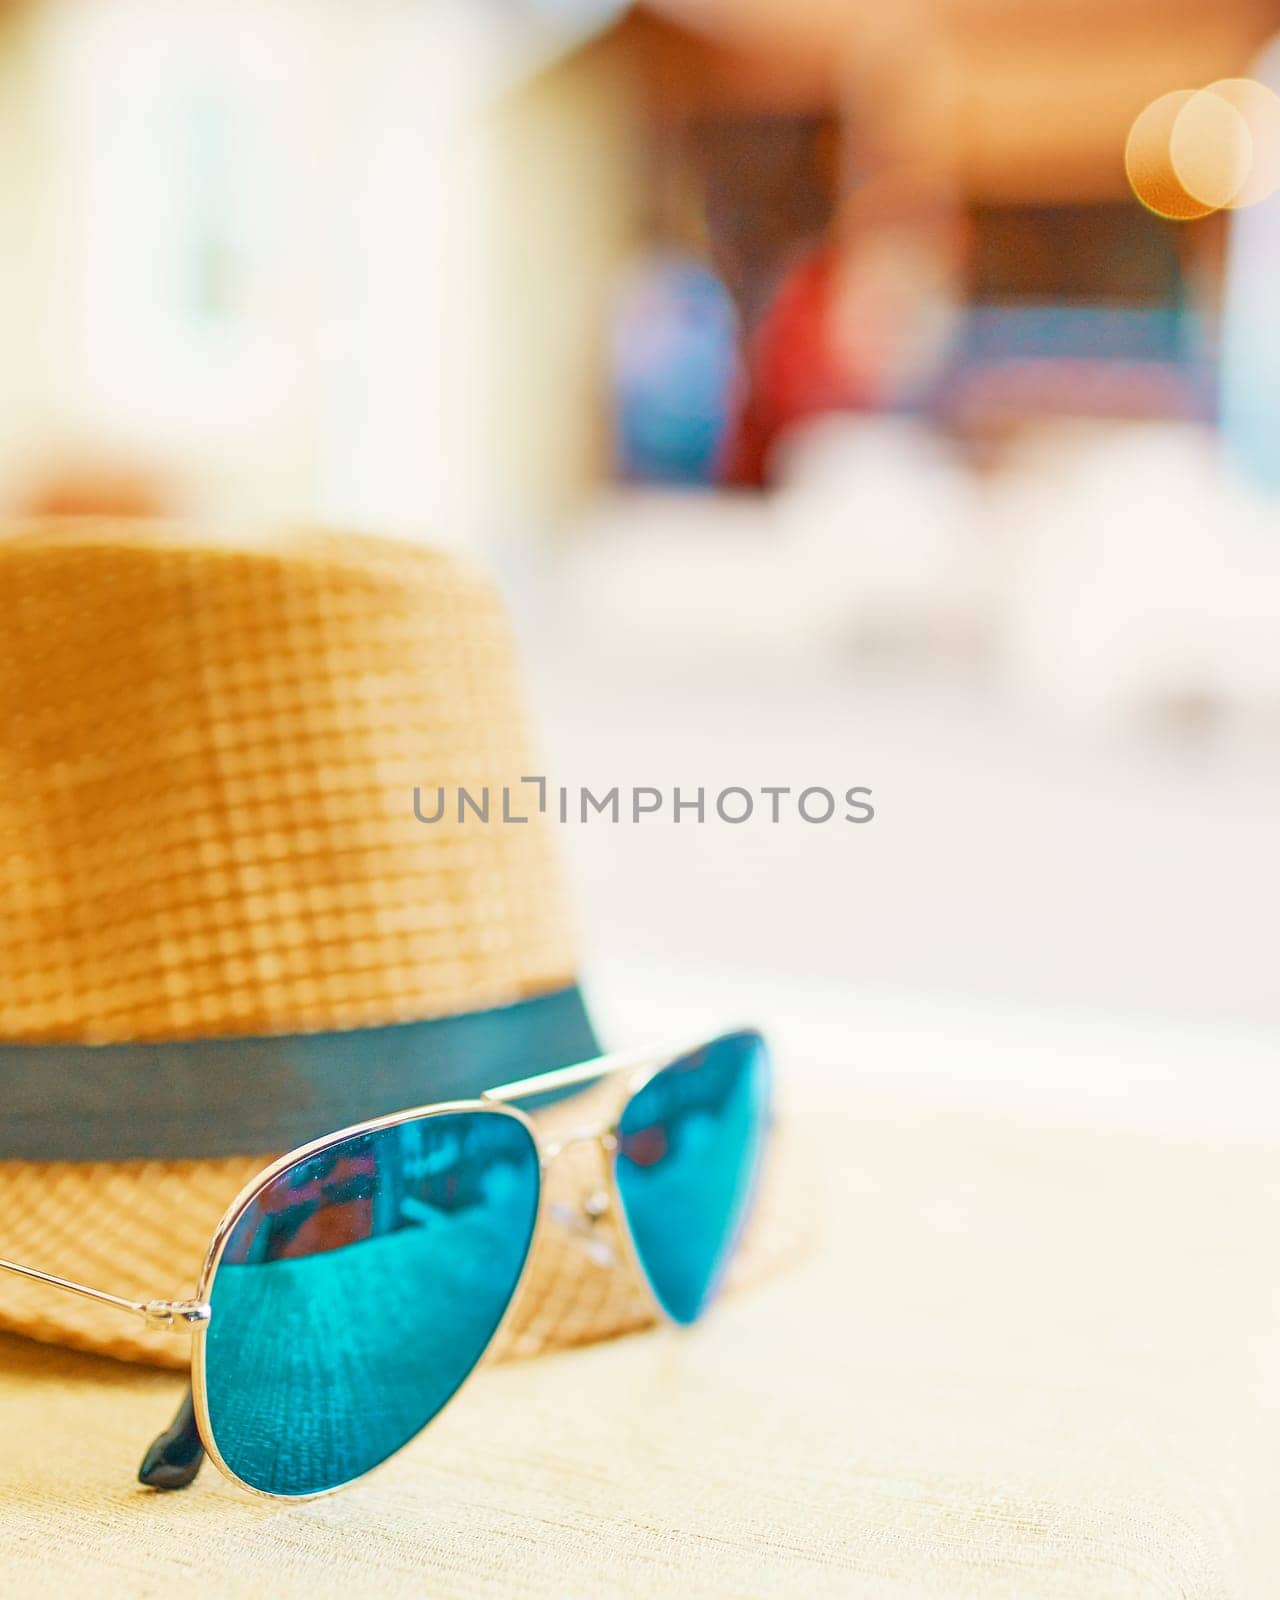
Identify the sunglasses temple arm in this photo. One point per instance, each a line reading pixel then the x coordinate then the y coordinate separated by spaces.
pixel 174 1459
pixel 175 1456
pixel 163 1315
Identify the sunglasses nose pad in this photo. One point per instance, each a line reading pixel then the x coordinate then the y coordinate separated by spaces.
pixel 583 1220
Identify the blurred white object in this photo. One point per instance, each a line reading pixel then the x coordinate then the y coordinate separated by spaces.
pixel 689 573
pixel 1147 579
pixel 1121 571
pixel 883 508
pixel 870 534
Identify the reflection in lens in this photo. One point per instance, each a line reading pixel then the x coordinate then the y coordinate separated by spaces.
pixel 689 1148
pixel 357 1291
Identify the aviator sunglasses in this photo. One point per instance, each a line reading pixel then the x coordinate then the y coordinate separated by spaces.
pixel 356 1283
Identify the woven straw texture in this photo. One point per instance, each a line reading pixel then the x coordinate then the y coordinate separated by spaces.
pixel 207 757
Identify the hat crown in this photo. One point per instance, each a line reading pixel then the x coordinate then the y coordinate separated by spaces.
pixel 208 751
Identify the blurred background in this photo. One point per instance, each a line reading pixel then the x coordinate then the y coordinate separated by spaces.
pixel 830 407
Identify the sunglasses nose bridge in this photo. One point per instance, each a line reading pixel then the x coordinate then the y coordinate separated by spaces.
pixel 606 1139
pixel 586 1215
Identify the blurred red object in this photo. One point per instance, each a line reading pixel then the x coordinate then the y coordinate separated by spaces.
pixel 862 321
pixel 794 367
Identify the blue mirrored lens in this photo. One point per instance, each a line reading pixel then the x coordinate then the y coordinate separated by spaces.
pixel 689 1148
pixel 359 1289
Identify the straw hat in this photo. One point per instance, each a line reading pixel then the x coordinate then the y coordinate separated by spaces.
pixel 211 870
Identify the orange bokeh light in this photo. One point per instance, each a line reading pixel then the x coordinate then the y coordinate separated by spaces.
pixel 1194 151
pixel 1210 149
pixel 1259 107
pixel 1148 160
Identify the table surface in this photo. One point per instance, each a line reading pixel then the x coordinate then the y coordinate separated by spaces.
pixel 1034 1353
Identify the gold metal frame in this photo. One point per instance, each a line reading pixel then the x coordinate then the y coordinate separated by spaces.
pixel 633 1070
